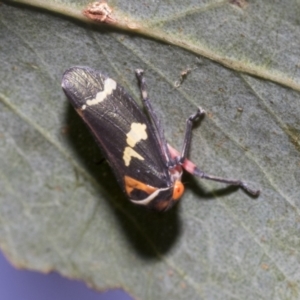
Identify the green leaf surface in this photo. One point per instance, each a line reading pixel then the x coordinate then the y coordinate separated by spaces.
pixel 60 210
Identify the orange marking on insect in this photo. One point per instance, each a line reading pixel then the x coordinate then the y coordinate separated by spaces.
pixel 178 190
pixel 131 184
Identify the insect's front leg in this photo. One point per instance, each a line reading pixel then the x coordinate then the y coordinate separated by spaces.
pixel 188 134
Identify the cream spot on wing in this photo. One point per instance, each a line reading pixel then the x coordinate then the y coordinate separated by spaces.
pixel 109 86
pixel 136 134
pixel 128 154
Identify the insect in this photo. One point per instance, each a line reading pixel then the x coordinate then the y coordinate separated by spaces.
pixel 146 167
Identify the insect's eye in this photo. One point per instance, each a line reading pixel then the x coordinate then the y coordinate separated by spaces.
pixel 178 190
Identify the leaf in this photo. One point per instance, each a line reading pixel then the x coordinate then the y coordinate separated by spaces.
pixel 62 211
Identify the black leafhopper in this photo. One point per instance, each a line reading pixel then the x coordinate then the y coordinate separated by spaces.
pixel 146 167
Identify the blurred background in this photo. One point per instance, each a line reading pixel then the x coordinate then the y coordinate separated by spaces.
pixel 22 284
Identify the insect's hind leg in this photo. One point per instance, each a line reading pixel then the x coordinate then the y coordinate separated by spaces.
pixel 199 173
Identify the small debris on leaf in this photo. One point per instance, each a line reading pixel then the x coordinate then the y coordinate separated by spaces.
pixel 100 12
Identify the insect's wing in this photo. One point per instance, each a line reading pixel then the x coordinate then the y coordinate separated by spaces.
pixel 119 126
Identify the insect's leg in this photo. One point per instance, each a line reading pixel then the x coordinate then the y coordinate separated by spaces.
pixel 239 183
pixel 153 117
pixel 194 170
pixel 188 133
